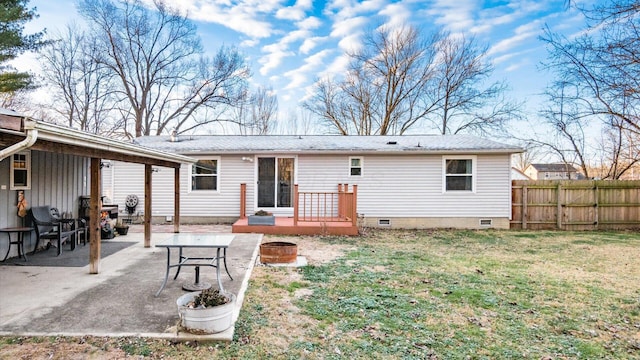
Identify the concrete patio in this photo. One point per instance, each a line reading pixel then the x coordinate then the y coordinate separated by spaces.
pixel 119 301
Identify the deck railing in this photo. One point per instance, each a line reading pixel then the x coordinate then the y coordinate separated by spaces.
pixel 337 206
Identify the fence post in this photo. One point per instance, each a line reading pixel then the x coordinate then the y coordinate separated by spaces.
pixel 243 201
pixel 524 206
pixel 296 202
pixel 596 209
pixel 559 211
pixel 354 207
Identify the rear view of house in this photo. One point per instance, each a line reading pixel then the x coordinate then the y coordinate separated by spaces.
pixel 402 181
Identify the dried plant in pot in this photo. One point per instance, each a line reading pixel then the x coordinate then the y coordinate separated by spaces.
pixel 122 228
pixel 206 312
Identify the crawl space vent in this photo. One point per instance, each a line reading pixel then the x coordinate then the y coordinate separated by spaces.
pixel 384 222
pixel 485 222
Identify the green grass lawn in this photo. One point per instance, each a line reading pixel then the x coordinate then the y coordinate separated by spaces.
pixel 457 295
pixel 440 295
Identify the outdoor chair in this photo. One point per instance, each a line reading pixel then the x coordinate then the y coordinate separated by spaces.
pixel 48 227
pixel 80 226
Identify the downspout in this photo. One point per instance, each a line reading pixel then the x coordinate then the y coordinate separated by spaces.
pixel 32 136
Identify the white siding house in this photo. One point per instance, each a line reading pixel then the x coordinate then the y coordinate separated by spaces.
pixel 402 181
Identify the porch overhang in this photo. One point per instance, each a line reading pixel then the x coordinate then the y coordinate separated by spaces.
pixel 60 139
pixel 19 132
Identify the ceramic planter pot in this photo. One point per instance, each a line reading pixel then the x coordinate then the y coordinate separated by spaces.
pixel 205 320
pixel 269 220
pixel 122 230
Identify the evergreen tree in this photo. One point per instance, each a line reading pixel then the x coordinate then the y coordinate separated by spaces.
pixel 13 15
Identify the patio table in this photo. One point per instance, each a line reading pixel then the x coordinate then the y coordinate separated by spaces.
pixel 20 230
pixel 181 241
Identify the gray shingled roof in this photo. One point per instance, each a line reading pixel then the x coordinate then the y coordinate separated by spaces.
pixel 554 167
pixel 221 144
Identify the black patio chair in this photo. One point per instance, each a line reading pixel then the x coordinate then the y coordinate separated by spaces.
pixel 50 228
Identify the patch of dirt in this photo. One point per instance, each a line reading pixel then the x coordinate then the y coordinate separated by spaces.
pixel 278 307
pixel 278 301
pixel 316 252
pixel 61 348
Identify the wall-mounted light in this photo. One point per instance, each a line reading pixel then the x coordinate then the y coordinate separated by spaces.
pixel 155 169
pixel 246 158
pixel 105 164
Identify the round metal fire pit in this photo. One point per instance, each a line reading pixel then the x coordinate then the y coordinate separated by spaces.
pixel 278 252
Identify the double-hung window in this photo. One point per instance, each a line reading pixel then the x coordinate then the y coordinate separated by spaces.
pixel 459 174
pixel 20 171
pixel 204 175
pixel 355 166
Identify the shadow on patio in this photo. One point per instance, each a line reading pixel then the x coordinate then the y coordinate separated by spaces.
pixel 119 301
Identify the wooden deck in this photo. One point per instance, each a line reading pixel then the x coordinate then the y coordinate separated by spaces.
pixel 285 226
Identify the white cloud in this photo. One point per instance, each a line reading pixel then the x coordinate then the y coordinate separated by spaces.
pixel 348 27
pixel 301 75
pixel 486 25
pixel 338 66
pixel 455 16
pixel 510 43
pixel 273 60
pixel 309 23
pixel 522 34
pixel 245 16
pixel 345 9
pixel 310 43
pixel 249 43
pixel 350 43
pixel 295 12
pixel 397 13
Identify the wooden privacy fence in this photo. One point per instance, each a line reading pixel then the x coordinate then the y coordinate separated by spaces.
pixel 575 204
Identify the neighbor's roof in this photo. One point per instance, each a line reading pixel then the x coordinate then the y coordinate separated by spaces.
pixel 230 144
pixel 554 167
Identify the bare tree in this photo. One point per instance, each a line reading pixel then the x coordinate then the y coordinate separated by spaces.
pixel 400 80
pixel 618 153
pixel 568 140
pixel 82 86
pixel 387 77
pixel 15 100
pixel 163 79
pixel 522 160
pixel 257 113
pixel 463 103
pixel 333 113
pixel 603 69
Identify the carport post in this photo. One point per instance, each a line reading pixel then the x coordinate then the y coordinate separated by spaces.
pixel 94 217
pixel 176 199
pixel 147 205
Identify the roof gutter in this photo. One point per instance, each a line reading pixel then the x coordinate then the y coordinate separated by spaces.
pixel 64 135
pixel 29 140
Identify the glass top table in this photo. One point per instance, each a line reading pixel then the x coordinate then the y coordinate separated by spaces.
pixel 181 241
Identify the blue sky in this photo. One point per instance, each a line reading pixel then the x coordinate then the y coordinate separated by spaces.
pixel 289 44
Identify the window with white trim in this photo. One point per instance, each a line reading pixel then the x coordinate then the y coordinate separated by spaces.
pixel 355 166
pixel 459 173
pixel 20 171
pixel 204 175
